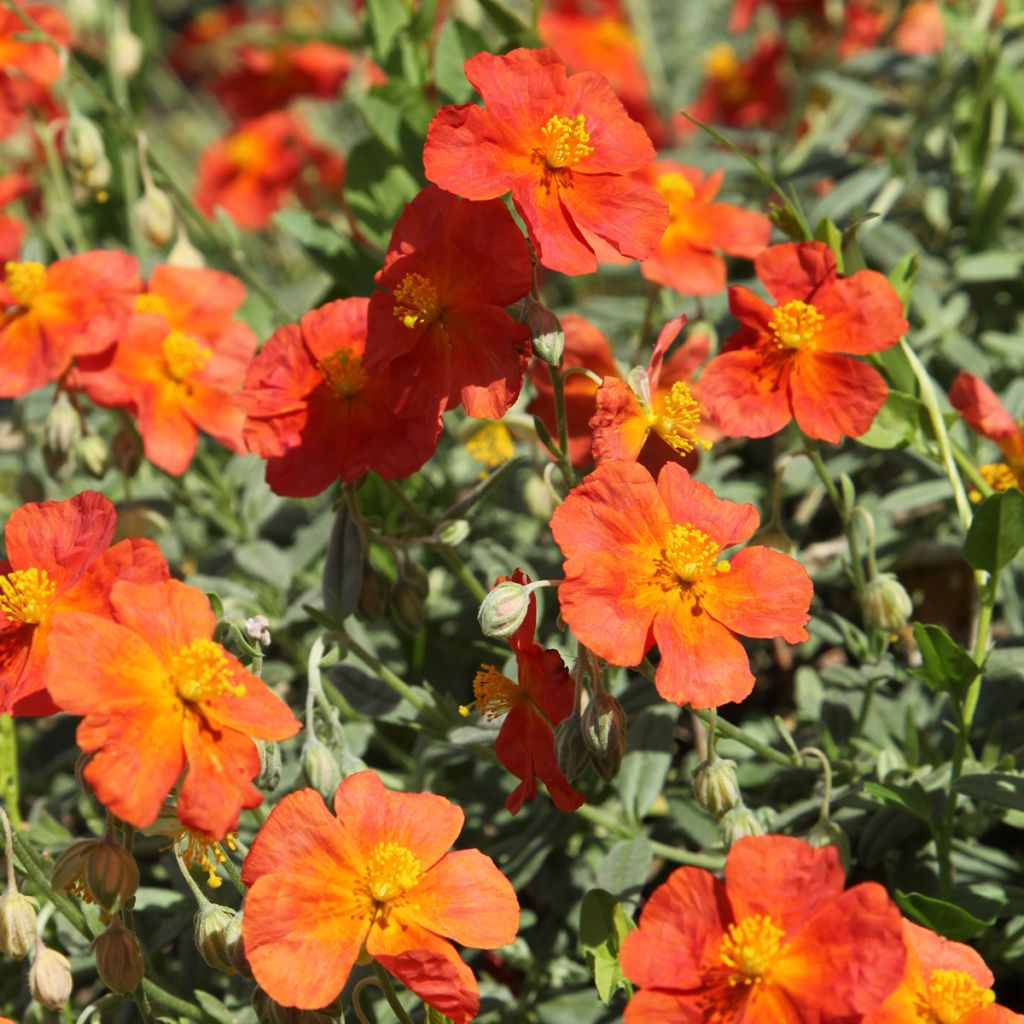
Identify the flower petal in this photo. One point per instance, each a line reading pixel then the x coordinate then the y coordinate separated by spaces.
pixel 834 396
pixel 747 391
pixel 689 501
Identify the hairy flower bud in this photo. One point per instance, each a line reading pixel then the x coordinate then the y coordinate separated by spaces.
pixel 17 924
pixel 269 776
pixel 320 767
pixel 49 978
pixel 715 786
pixel 184 254
pixel 91 451
pixel 886 604
pixel 571 750
pixel 454 533
pixel 738 823
pixel 503 609
pixel 215 936
pixel 154 215
pixel 83 145
pixel 545 331
pixel 373 594
pixel 63 426
pixel 829 833
pixel 119 959
pixel 603 727
pixel 126 52
pixel 407 604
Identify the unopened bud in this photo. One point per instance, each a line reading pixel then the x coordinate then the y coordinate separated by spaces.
pixel 269 777
pixel 320 767
pixel 96 178
pixel 215 935
pixel 715 786
pixel 772 535
pixel 100 871
pixel 829 833
pixel 91 451
pixel 503 609
pixel 454 533
pixel 154 215
pixel 83 145
pixel 407 605
pixel 62 426
pixel 541 501
pixel 571 750
pixel 603 727
pixel 126 451
pixel 886 604
pixel 786 221
pixel 373 595
pixel 17 924
pixel 258 628
pixel 119 959
pixel 126 52
pixel 545 331
pixel 49 978
pixel 269 1012
pixel 184 254
pixel 739 823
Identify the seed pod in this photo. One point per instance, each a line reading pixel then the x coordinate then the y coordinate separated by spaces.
pixel 571 751
pixel 63 426
pixel 83 145
pixel 715 786
pixel 119 959
pixel 269 777
pixel 320 768
pixel 49 978
pixel 603 727
pixel 503 609
pixel 17 924
pixel 184 254
pixel 111 875
pixel 407 605
pixel 454 533
pixel 886 604
pixel 214 936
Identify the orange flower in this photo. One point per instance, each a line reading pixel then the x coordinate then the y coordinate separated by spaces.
pixel 563 144
pixel 985 413
pixel 12 230
pixel 643 565
pixel 76 306
pixel 778 941
pixel 158 695
pixel 530 710
pixel 60 561
pixel 315 413
pixel 920 29
pixel 440 323
pixel 686 258
pixel 654 416
pixel 791 360
pixel 377 878
pixel 945 982
pixel 28 69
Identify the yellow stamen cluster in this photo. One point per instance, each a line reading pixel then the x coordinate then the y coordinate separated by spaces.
pixel 247 151
pixel 676 190
pixel 688 556
pixel 722 67
pixel 495 694
pixel 566 141
pixel 25 594
pixel 749 947
pixel 999 476
pixel 679 420
pixel 416 300
pixel 148 302
pixel 391 870
pixel 795 324
pixel 25 281
pixel 952 996
pixel 492 444
pixel 344 372
pixel 183 355
pixel 200 671
pixel 205 851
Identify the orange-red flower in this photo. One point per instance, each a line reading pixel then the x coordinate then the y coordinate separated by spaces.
pixel 778 941
pixel 643 566
pixel 28 69
pixel 687 257
pixel 376 877
pixel 984 412
pixel 530 708
pixel 157 695
pixel 315 413
pixel 654 416
pixel 944 981
pixel 565 147
pixel 77 306
pixel 60 561
pixel 790 360
pixel 12 230
pixel 440 323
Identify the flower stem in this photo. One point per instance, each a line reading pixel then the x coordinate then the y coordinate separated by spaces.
pixel 389 994
pixel 9 788
pixel 558 392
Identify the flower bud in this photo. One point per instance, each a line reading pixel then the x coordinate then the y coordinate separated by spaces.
pixel 95 179
pixel 63 426
pixel 545 331
pixel 571 750
pixel 829 833
pixel 269 777
pixel 17 924
pixel 503 609
pixel 454 533
pixel 886 605
pixel 83 145
pixel 126 52
pixel 738 823
pixel 603 727
pixel 184 254
pixel 715 786
pixel 49 978
pixel 99 871
pixel 126 451
pixel 91 452
pixel 320 767
pixel 119 959
pixel 215 936
pixel 373 594
pixel 258 628
pixel 154 215
pixel 407 605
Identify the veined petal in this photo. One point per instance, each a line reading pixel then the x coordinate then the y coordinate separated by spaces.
pixel 620 426
pixel 981 407
pixel 169 614
pixel 796 270
pixel 834 396
pixel 552 227
pixel 628 214
pixel 257 711
pixel 689 501
pixel 747 391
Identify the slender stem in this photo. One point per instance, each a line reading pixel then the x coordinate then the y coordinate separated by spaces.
pixel 389 994
pixel 12 879
pixel 558 392
pixel 32 865
pixel 643 339
pixel 844 514
pixel 62 189
pixel 357 998
pixel 712 725
pixel 9 786
pixel 171 1002
pixel 197 892
pixel 826 771
pixel 399 685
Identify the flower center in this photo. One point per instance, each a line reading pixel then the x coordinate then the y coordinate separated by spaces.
pixel 492 444
pixel 722 67
pixel 416 300
pixel 246 150
pixel 679 419
pixel 24 281
pixel 207 852
pixel 749 947
pixel 495 694
pixel 391 869
pixel 565 141
pixel 795 324
pixel 688 556
pixel 344 372
pixel 676 190
pixel 25 594
pixel 999 476
pixel 150 303
pixel 952 996
pixel 183 355
pixel 200 671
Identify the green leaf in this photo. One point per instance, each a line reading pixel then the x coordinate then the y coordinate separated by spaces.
pixel 215 1008
pixel 511 25
pixel 385 19
pixel 343 568
pixel 650 742
pixel 456 42
pixel 990 266
pixel 827 232
pixel 945 918
pixel 624 868
pixel 264 561
pixel 603 926
pixel 377 187
pixel 436 1016
pixel 999 788
pixel 897 423
pixel 913 799
pixel 311 233
pixel 901 277
pixel 945 665
pixel 997 532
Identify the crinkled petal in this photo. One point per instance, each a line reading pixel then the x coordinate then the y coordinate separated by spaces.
pixel 689 501
pixel 747 391
pixel 833 396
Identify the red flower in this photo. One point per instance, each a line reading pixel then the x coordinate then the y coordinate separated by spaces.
pixel 985 413
pixel 686 258
pixel 787 361
pixel 77 306
pixel 531 708
pixel 28 69
pixel 60 561
pixel 643 566
pixel 158 695
pixel 743 11
pixel 315 413
pixel 563 144
pixel 778 941
pixel 440 322
pixel 12 229
pixel 376 878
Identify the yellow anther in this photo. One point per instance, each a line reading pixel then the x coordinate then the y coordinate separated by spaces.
pixel 796 324
pixel 247 151
pixel 952 997
pixel 678 420
pixel 676 190
pixel 183 355
pixel 999 476
pixel 688 556
pixel 416 300
pixel 25 594
pixel 749 947
pixel 148 302
pixel 207 852
pixel 495 694
pixel 391 869
pixel 565 141
pixel 491 444
pixel 201 671
pixel 720 62
pixel 344 372
pixel 25 281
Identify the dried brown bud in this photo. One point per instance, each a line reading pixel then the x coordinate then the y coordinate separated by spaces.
pixel 17 924
pixel 603 726
pixel 119 959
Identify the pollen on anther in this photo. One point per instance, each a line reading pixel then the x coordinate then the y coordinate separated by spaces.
pixel 679 420
pixel 25 281
pixel 25 594
pixel 749 947
pixel 952 995
pixel 343 372
pixel 416 300
pixel 795 324
pixel 183 355
pixel 688 556
pixel 495 693
pixel 200 671
pixel 566 141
